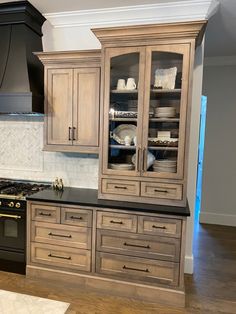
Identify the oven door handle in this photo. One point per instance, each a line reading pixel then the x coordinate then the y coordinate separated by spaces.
pixel 10 216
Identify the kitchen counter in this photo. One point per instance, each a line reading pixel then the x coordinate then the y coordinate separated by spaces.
pixel 89 197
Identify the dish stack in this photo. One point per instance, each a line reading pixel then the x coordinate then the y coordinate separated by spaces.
pixel 165 112
pixel 121 167
pixel 165 165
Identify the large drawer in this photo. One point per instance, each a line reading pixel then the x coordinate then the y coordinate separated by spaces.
pixel 154 247
pixel 161 226
pixel 46 213
pixel 78 237
pixel 136 268
pixel 114 221
pixel 76 216
pixel 121 187
pixel 162 190
pixel 64 257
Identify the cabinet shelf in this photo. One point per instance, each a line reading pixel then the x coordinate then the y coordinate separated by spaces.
pixel 174 148
pixel 123 147
pixel 124 119
pixel 125 91
pixel 166 91
pixel 164 119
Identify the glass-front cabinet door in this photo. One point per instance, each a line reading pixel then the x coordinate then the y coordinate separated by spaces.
pixel 165 103
pixel 124 81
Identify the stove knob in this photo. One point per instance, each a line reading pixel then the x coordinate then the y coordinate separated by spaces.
pixel 11 204
pixel 17 205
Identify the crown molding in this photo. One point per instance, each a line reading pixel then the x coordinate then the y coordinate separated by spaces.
pixel 220 61
pixel 178 11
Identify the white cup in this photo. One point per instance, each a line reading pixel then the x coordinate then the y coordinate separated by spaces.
pixel 120 84
pixel 131 83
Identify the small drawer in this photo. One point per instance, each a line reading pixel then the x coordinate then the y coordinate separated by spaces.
pixel 162 190
pixel 45 213
pixel 161 226
pixel 114 221
pixel 153 247
pixel 64 257
pixel 121 187
pixel 76 216
pixel 78 237
pixel 126 267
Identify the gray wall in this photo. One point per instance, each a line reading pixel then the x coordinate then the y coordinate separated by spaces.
pixel 219 168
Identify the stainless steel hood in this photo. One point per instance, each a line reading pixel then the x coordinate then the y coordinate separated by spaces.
pixel 21 73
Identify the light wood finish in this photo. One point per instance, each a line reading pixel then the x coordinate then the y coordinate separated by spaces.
pixel 152 247
pixel 161 190
pixel 116 221
pixel 45 213
pixel 159 226
pixel 136 268
pixel 76 216
pixel 64 257
pixel 72 82
pixel 120 187
pixel 76 237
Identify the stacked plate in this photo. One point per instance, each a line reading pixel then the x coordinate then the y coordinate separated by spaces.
pixel 165 112
pixel 121 167
pixel 165 165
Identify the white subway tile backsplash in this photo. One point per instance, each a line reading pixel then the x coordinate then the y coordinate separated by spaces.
pixel 22 157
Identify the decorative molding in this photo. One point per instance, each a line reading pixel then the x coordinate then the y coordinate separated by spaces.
pixel 188 266
pixel 178 11
pixel 220 61
pixel 217 219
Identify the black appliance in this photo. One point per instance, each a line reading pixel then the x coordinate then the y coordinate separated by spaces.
pixel 13 223
pixel 21 73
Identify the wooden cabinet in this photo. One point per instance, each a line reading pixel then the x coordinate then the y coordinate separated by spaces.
pixel 129 253
pixel 147 74
pixel 72 85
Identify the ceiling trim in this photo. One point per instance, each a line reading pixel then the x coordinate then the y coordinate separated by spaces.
pixel 178 11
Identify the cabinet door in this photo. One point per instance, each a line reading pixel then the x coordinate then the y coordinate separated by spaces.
pixel 86 106
pixel 59 106
pixel 165 110
pixel 123 106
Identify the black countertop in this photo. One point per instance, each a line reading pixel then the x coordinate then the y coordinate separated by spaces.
pixel 89 197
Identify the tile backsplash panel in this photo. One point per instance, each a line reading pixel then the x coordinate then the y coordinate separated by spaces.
pixel 22 155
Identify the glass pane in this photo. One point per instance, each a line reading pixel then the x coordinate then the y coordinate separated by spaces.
pixel 164 112
pixel 123 112
pixel 10 228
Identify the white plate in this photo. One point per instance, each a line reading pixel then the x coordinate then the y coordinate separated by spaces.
pixel 122 131
pixel 150 159
pixel 121 166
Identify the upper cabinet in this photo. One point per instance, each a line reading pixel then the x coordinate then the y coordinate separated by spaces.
pixel 147 77
pixel 72 91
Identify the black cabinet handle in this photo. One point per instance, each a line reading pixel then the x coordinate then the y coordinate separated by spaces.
pixel 159 227
pixel 75 217
pixel 45 214
pixel 120 187
pixel 161 191
pixel 116 222
pixel 136 269
pixel 59 235
pixel 73 133
pixel 69 134
pixel 57 256
pixel 136 245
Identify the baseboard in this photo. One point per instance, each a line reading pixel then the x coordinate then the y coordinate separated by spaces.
pixel 188 266
pixel 217 219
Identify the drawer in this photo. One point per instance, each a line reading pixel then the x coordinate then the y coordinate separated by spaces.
pixel 45 213
pixel 161 226
pixel 162 190
pixel 154 247
pixel 138 268
pixel 68 258
pixel 78 237
pixel 121 187
pixel 114 221
pixel 76 216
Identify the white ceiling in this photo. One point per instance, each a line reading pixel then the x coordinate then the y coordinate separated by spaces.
pixel 220 34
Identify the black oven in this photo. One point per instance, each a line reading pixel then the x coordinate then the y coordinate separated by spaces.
pixel 12 235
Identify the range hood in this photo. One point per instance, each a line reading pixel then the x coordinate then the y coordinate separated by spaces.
pixel 21 73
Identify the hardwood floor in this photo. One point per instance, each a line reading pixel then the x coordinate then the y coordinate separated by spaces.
pixel 211 290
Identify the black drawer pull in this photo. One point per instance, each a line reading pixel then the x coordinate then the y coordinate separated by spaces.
pixel 120 187
pixel 44 214
pixel 161 191
pixel 75 217
pixel 136 245
pixel 136 269
pixel 159 227
pixel 59 235
pixel 57 256
pixel 116 222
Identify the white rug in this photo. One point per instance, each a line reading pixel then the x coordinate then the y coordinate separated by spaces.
pixel 16 303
